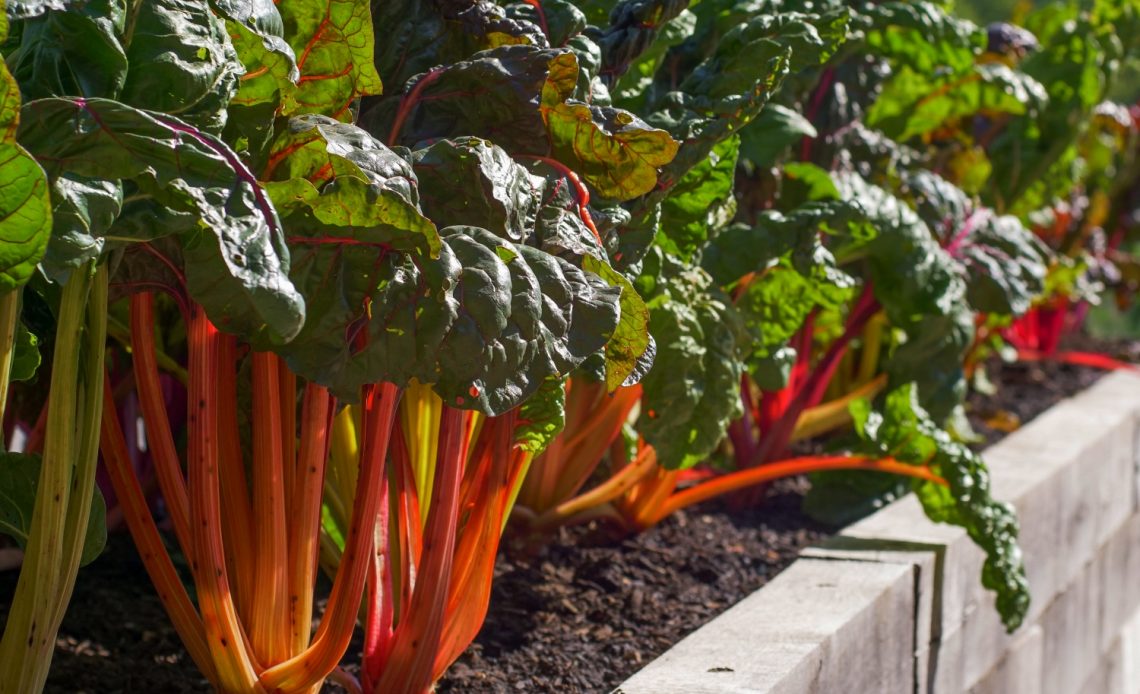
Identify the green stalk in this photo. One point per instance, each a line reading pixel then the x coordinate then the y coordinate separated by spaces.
pixel 9 311
pixel 67 477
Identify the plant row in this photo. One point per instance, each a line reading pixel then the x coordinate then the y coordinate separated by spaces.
pixel 356 288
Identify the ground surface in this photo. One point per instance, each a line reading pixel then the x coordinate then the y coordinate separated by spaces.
pixel 579 616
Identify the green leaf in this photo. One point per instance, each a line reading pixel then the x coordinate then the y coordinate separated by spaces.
pixel 921 288
pixel 913 104
pixel 542 417
pixel 693 390
pixel 19 479
pixel 26 358
pixel 334 45
pixel 631 90
pixel 701 202
pixel 236 262
pixel 633 30
pixel 72 51
pixel 495 95
pixel 471 181
pixel 258 32
pixel 921 35
pixel 902 429
pixel 419 36
pixel 182 62
pixel 1005 262
pixel 485 323
pixel 617 153
pixel 773 131
pixel 83 211
pixel 25 208
pixel 630 341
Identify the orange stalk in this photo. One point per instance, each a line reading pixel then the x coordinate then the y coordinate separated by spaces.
pixel 236 669
pixel 269 615
pixel 237 515
pixel 168 467
pixel 609 490
pixel 335 631
pixel 787 468
pixel 305 512
pixel 420 630
pixel 145 534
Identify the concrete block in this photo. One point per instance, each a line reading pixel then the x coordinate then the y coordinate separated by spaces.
pixel 1019 670
pixel 821 626
pixel 1130 654
pixel 1108 675
pixel 927 582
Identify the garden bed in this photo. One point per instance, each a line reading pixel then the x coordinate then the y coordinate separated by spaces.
pixel 581 615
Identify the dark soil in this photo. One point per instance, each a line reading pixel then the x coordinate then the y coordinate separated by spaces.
pixel 579 616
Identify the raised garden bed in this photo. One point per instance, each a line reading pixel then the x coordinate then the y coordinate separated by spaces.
pixel 892 602
pixel 580 616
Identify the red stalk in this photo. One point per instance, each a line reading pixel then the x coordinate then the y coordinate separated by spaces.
pixel 408 102
pixel 776 439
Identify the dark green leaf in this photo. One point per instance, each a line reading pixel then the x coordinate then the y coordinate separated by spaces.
pixel 701 202
pixel 236 262
pixel 471 181
pixel 181 62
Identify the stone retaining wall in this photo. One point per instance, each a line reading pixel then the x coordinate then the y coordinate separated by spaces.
pixel 894 602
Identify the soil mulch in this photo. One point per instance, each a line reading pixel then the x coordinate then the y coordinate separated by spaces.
pixel 580 615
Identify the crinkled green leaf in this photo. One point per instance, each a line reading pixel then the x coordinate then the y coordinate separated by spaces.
pixel 19 479
pixel 741 249
pixel 495 95
pixel 1005 262
pixel 418 36
pixel 773 308
pixel 485 323
pixel 561 19
pixel 181 62
pixel 904 430
pixel 631 90
pixel 471 181
pixel 633 30
pixel 701 202
pixel 693 390
pixel 83 211
pixel 25 208
pixel 258 34
pixel 236 262
pixel 630 340
pixel 73 52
